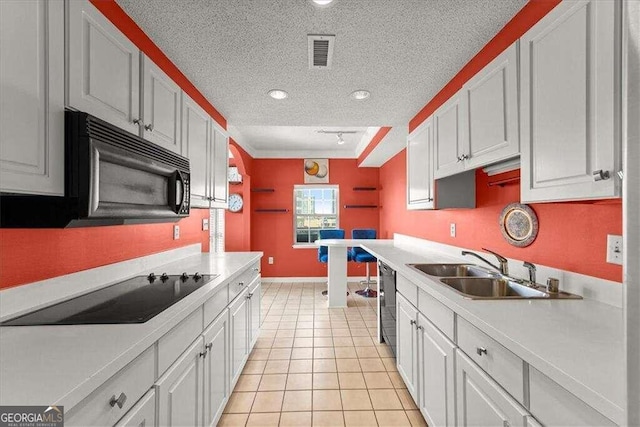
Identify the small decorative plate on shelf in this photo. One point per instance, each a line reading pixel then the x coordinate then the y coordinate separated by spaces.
pixel 519 224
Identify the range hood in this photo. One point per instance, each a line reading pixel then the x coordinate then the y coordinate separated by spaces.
pixel 112 177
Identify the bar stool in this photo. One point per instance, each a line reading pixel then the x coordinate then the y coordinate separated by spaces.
pixel 323 251
pixel 360 255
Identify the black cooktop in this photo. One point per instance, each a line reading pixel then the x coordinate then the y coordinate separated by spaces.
pixel 135 300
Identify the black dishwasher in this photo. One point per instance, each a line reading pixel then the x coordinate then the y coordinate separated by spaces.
pixel 387 288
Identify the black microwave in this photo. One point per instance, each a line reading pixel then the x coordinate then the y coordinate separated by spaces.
pixel 111 177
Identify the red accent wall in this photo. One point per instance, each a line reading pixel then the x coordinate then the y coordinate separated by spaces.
pixel 29 255
pixel 237 233
pixel 531 13
pixel 572 236
pixel 272 233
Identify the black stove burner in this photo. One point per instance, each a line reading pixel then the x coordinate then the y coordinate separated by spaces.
pixel 135 300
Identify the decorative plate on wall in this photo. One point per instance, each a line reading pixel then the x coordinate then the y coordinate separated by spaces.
pixel 519 224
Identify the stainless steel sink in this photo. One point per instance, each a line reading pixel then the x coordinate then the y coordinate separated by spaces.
pixel 500 288
pixel 452 270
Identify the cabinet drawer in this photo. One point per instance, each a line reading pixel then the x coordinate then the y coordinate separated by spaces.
pixel 504 366
pixel 552 405
pixel 214 305
pixel 243 280
pixel 407 289
pixel 173 343
pixel 133 381
pixel 439 314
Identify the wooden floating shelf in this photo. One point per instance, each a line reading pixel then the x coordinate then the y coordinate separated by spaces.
pixel 262 190
pixel 503 182
pixel 360 206
pixel 272 210
pixel 364 188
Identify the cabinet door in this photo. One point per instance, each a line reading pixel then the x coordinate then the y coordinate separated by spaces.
pixel 104 68
pixel 219 175
pixel 420 167
pixel 407 348
pixel 254 310
pixel 490 111
pixel 436 375
pixel 195 140
pixel 481 401
pixel 143 413
pixel 239 335
pixel 569 75
pixel 32 101
pixel 162 98
pixel 448 137
pixel 216 368
pixel 180 389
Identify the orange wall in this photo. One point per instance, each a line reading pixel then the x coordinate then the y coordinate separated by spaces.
pixel 572 236
pixel 272 233
pixel 29 255
pixel 237 233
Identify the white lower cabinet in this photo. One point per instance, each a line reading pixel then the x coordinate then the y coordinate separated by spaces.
pixel 180 389
pixel 406 345
pixel 216 368
pixel 143 413
pixel 481 401
pixel 254 311
pixel 436 377
pixel 238 313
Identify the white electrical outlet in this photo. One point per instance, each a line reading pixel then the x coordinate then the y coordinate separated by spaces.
pixel 270 260
pixel 205 224
pixel 452 230
pixel 176 232
pixel 614 249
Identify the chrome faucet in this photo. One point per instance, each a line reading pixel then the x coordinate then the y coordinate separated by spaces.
pixel 504 263
pixel 532 271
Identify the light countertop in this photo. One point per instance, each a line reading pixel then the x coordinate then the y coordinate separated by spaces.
pixel 62 365
pixel 577 343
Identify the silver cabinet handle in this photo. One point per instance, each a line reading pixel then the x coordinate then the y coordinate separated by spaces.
pixel 463 158
pixel 119 401
pixel 420 328
pixel 137 122
pixel 256 269
pixel 149 127
pixel 481 351
pixel 413 322
pixel 208 346
pixel 601 175
pixel 240 283
pixel 430 199
pixel 203 354
pixel 249 295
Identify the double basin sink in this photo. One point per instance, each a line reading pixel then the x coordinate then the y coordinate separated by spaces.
pixel 474 282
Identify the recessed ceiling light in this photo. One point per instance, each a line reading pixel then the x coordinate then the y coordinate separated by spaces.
pixel 322 2
pixel 360 94
pixel 278 94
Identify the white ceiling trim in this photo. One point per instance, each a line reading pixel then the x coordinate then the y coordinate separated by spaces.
pixel 366 139
pixel 237 137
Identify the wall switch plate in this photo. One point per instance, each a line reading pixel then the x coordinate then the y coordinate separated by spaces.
pixel 205 224
pixel 614 249
pixel 270 260
pixel 176 232
pixel 452 230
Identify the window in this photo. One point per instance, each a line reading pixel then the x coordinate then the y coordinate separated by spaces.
pixel 315 208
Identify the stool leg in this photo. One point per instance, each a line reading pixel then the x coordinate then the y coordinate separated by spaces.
pixel 367 292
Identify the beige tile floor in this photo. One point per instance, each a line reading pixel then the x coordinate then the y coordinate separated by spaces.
pixel 314 366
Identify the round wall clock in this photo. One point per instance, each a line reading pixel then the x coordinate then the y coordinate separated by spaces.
pixel 519 224
pixel 235 202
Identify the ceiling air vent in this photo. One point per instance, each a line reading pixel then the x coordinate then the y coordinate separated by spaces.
pixel 320 51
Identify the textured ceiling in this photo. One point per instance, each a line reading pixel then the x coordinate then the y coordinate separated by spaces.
pixel 403 51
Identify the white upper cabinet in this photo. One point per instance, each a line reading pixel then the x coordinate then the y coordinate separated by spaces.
pixel 449 136
pixel 420 192
pixel 104 68
pixel 490 111
pixel 161 106
pixel 32 100
pixel 570 90
pixel 195 140
pixel 220 166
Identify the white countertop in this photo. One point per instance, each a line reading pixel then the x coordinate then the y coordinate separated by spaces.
pixel 62 365
pixel 577 343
